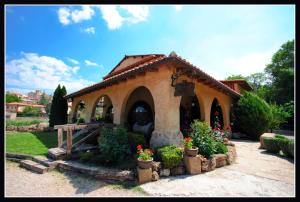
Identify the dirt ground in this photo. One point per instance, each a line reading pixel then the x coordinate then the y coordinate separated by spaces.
pixel 255 173
pixel 23 183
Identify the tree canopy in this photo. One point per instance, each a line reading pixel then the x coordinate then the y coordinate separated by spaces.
pixel 12 98
pixel 59 107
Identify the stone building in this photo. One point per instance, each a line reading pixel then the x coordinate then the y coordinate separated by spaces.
pixel 163 94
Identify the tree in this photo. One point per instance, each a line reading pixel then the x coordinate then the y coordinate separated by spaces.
pixel 30 111
pixel 281 72
pixel 12 98
pixel 59 107
pixel 279 116
pixel 235 77
pixel 46 102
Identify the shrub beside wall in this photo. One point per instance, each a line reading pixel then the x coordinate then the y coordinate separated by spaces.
pixel 253 115
pixel 171 156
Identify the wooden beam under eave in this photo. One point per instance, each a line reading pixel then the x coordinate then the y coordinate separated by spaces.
pixel 153 69
pixel 132 77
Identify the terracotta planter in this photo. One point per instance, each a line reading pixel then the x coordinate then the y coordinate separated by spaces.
pixel 191 152
pixel 145 163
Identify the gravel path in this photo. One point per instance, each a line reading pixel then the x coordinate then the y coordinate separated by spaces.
pixel 20 182
pixel 255 173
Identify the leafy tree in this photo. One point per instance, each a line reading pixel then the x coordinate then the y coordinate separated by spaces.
pixel 279 116
pixel 257 80
pixel 235 77
pixel 59 107
pixel 12 98
pixel 281 72
pixel 45 101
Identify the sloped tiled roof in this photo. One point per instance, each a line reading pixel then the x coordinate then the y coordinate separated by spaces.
pixel 241 82
pixel 151 62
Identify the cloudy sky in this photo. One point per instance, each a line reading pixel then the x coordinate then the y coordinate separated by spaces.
pixel 77 45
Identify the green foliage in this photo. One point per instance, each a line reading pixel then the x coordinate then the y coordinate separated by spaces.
pixel 80 120
pixel 171 156
pixel 29 111
pixel 59 107
pixel 235 77
pixel 22 122
pixel 279 116
pixel 272 144
pixel 291 148
pixel 284 146
pixel 136 139
pixel 113 145
pixel 257 80
pixel 280 137
pixel 220 148
pixel 202 138
pixel 46 102
pixel 12 98
pixel 253 115
pixel 281 71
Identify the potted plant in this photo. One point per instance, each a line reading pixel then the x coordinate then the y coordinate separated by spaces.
pixel 144 157
pixel 189 149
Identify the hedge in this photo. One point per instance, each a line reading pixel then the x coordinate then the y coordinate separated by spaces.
pixel 171 156
pixel 272 144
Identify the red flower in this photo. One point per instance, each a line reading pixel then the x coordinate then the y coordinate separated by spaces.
pixel 139 147
pixel 216 113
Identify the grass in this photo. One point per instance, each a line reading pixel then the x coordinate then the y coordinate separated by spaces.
pixel 23 122
pixel 33 143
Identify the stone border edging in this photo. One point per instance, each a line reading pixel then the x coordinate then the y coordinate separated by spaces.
pixel 103 174
pixel 9 155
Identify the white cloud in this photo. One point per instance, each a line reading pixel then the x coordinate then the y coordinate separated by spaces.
pixel 85 14
pixel 89 63
pixel 114 15
pixel 89 30
pixel 75 62
pixel 111 15
pixel 33 71
pixel 66 15
pixel 178 7
pixel 134 14
pixel 138 13
pixel 63 15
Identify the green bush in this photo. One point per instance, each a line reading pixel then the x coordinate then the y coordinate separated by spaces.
pixel 202 138
pixel 253 115
pixel 280 137
pixel 22 122
pixel 171 156
pixel 29 112
pixel 284 145
pixel 80 120
pixel 220 148
pixel 113 145
pixel 272 144
pixel 279 116
pixel 291 148
pixel 136 139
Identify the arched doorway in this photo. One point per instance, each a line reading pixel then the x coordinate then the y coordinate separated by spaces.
pixel 216 115
pixel 102 110
pixel 79 110
pixel 189 111
pixel 139 112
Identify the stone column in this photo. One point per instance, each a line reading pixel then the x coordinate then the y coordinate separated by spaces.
pixel 167 121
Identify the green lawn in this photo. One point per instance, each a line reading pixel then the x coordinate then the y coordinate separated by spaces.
pixel 33 143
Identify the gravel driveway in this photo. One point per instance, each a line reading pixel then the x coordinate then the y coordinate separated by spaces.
pixel 255 173
pixel 20 182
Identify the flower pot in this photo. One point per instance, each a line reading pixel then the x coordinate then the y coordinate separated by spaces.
pixel 145 163
pixel 191 152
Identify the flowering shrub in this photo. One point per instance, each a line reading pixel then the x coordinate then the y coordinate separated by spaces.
pixel 219 135
pixel 145 154
pixel 188 143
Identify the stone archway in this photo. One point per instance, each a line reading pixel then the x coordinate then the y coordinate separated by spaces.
pixel 189 110
pixel 79 111
pixel 139 111
pixel 102 110
pixel 216 112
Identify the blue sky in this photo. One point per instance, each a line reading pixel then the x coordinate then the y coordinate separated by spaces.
pixel 77 45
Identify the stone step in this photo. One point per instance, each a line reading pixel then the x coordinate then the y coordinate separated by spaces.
pixel 33 166
pixel 14 159
pixel 57 153
pixel 45 161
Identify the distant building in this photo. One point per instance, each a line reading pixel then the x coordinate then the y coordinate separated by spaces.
pixel 35 96
pixel 15 107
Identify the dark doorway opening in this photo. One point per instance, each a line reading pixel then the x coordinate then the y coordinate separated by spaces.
pixel 189 111
pixel 216 115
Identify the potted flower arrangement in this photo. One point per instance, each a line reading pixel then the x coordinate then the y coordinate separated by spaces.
pixel 144 157
pixel 189 149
